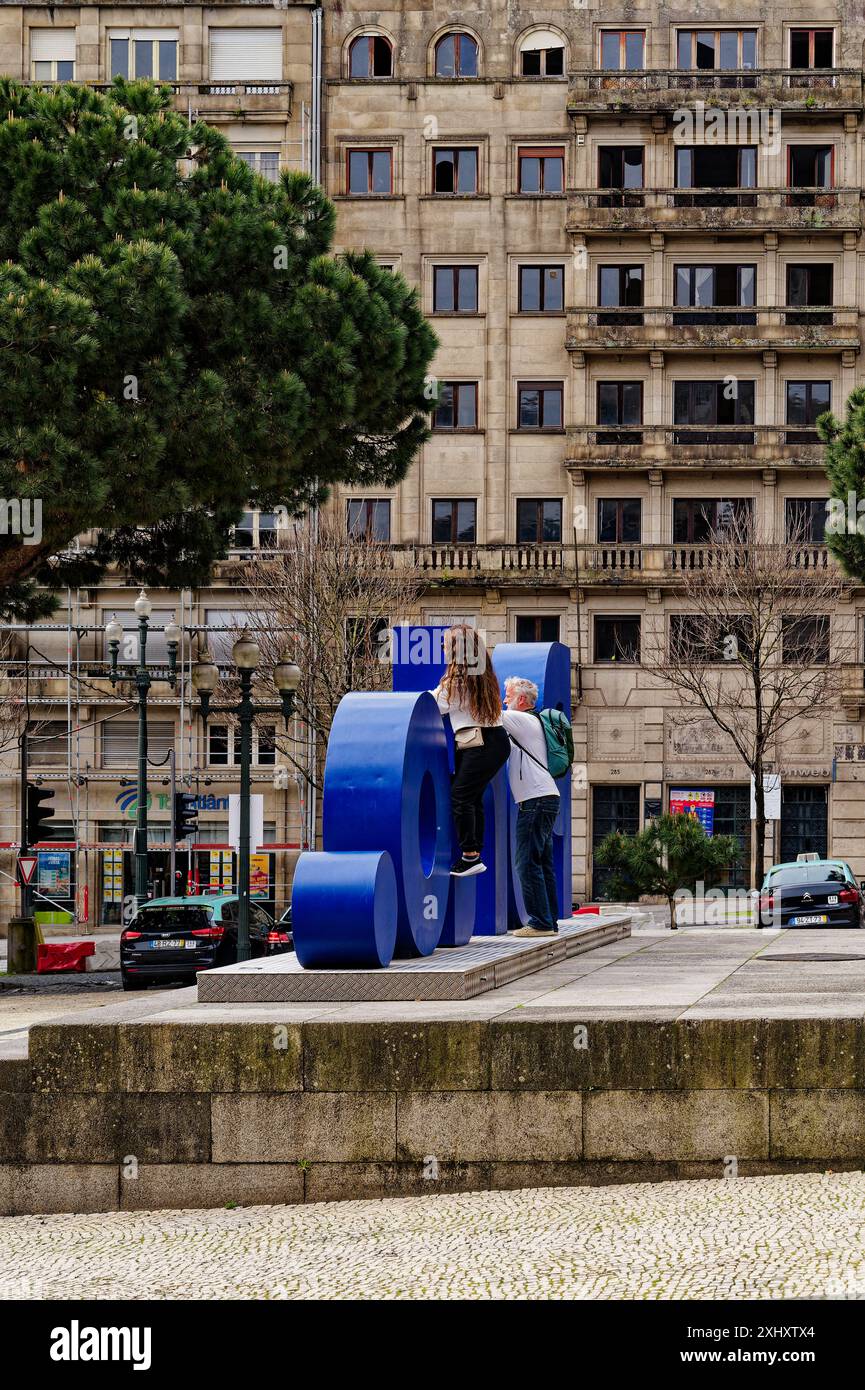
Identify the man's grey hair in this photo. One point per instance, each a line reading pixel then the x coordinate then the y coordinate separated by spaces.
pixel 520 686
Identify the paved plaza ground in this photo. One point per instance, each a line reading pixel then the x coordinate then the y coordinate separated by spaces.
pixel 799 1236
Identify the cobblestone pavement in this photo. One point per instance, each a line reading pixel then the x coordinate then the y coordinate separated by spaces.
pixel 771 1237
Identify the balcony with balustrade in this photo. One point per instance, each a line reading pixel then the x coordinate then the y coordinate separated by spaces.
pixel 787 328
pixel 798 92
pixel 715 211
pixel 691 447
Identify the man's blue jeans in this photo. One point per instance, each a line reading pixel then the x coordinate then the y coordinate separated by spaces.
pixel 535 821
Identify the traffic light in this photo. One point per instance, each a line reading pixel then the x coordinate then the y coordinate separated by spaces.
pixel 185 814
pixel 38 815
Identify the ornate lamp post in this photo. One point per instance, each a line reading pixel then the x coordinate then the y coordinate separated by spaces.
pixel 142 680
pixel 205 680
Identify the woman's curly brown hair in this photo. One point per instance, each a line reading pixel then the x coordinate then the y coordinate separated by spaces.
pixel 470 679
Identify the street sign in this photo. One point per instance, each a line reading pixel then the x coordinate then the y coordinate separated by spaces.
pixel 27 867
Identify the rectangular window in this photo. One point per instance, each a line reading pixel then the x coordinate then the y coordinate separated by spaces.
pixel 454 521
pixel 455 289
pixel 805 641
pixel 620 403
pixel 622 50
pixel 535 627
pixel 539 519
pixel 810 166
pixel 617 639
pixel 52 55
pixel 620 286
pixel 455 171
pixel 223 745
pixel 539 405
pixel 457 406
pixel 251 54
pixel 805 520
pixel 369 517
pixel 701 520
pixel 620 168
pixel 229 624
pixel 157 650
pixel 541 170
pixel 619 520
pixel 712 286
pixel 263 162
pixel 714 168
pixel 806 400
pixel 143 53
pixel 711 50
pixel 119 741
pixel 811 48
pixel 713 403
pixel 48 743
pixel 809 285
pixel 542 289
pixel 370 171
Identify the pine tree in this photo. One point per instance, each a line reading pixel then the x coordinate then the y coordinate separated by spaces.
pixel 845 467
pixel 176 341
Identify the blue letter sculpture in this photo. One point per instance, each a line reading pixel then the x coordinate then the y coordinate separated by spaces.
pixel 381 887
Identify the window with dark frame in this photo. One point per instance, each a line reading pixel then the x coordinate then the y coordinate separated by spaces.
pixel 455 289
pixel 806 401
pixel 620 403
pixel 713 404
pixel 810 166
pixel 539 520
pixel 541 289
pixel 695 638
pixel 712 169
pixel 622 50
pixel 456 55
pixel 805 641
pixel 370 55
pixel 370 171
pixel 620 169
pixel 617 639
pixel 809 285
pixel 540 405
pixel 811 48
pixel 619 520
pixel 457 406
pixel 537 627
pixel 541 169
pixel 369 518
pixel 713 287
pixel 620 286
pixel 805 520
pixel 454 521
pixel 713 50
pixel 455 170
pixel 701 520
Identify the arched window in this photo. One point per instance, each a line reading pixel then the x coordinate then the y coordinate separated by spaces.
pixel 457 56
pixel 542 54
pixel 370 55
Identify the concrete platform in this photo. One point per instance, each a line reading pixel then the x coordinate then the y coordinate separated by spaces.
pixel 456 973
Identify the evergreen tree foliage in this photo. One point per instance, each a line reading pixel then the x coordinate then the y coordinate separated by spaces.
pixel 176 342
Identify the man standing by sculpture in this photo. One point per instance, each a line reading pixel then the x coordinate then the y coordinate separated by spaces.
pixel 537 797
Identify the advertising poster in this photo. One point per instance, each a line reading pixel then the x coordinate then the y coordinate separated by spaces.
pixel 695 803
pixel 53 872
pixel 259 876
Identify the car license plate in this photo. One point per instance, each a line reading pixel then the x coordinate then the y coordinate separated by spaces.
pixel 172 944
pixel 815 920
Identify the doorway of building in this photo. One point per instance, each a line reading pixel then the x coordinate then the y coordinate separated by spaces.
pixel 804 821
pixel 613 808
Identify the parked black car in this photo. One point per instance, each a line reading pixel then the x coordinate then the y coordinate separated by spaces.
pixel 822 893
pixel 172 939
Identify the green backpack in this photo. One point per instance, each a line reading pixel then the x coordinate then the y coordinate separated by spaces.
pixel 559 740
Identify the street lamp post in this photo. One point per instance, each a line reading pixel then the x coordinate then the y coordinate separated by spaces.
pixel 205 680
pixel 142 681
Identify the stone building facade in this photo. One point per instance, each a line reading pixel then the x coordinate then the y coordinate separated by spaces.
pixel 611 214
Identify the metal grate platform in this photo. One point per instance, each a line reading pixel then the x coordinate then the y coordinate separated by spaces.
pixel 461 972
